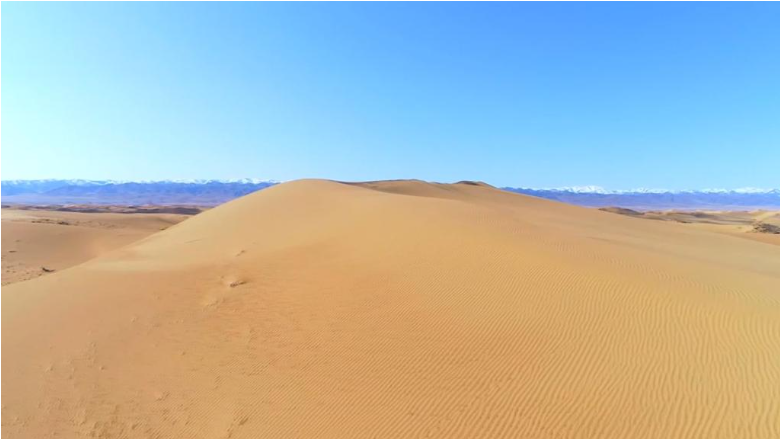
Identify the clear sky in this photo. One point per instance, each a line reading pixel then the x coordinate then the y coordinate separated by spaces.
pixel 661 95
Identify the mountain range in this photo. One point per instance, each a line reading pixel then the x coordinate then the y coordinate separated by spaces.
pixel 214 192
pixel 649 199
pixel 165 192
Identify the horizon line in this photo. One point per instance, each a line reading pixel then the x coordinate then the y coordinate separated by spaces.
pixel 587 189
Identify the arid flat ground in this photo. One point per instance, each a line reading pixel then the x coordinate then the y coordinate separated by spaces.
pixel 37 242
pixel 396 310
pixel 758 225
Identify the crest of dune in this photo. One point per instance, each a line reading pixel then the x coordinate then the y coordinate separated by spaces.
pixel 396 310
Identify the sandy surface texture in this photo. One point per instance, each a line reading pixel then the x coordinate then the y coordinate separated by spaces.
pixel 401 310
pixel 758 225
pixel 37 242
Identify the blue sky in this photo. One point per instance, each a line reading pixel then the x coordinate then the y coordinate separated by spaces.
pixel 619 95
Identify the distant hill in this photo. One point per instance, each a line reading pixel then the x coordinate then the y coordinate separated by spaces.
pixel 214 192
pixel 644 199
pixel 196 192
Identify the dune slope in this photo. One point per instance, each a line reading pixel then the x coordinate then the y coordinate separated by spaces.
pixel 401 309
pixel 34 240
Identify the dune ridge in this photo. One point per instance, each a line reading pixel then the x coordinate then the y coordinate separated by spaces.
pixel 401 309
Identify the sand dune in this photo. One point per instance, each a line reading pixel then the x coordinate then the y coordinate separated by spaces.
pixel 401 309
pixel 38 242
pixel 758 225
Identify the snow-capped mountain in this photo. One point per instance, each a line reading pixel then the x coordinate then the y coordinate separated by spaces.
pixel 595 196
pixel 601 190
pixel 212 192
pixel 200 192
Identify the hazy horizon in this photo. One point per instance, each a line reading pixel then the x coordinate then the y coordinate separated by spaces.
pixel 256 180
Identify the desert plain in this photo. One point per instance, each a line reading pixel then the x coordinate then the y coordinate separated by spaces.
pixel 38 241
pixel 392 309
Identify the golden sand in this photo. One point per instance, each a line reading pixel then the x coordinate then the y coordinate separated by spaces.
pixel 401 309
pixel 39 242
pixel 758 225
